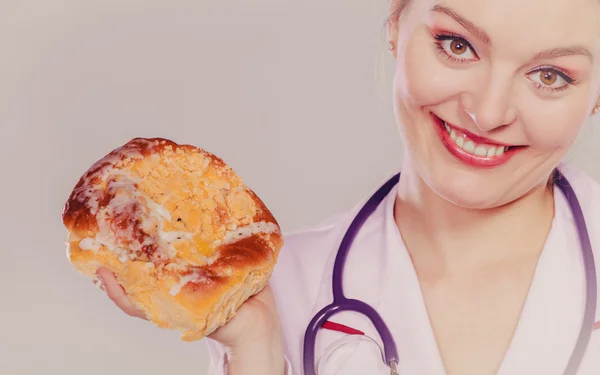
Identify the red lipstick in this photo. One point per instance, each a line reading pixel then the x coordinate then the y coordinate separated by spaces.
pixel 471 149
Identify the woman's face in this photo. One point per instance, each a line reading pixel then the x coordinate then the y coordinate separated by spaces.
pixel 490 95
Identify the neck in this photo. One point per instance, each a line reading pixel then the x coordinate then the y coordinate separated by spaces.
pixel 444 237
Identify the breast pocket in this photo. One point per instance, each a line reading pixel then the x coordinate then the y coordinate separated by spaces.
pixel 352 355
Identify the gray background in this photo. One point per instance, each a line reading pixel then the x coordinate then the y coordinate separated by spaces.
pixel 294 95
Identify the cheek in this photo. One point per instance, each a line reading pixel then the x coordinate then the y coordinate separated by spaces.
pixel 421 79
pixel 550 126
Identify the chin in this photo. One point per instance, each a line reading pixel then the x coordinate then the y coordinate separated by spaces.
pixel 466 189
pixel 469 197
pixel 466 185
pixel 468 170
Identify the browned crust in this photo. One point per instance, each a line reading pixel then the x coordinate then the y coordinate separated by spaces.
pixel 241 269
pixel 76 215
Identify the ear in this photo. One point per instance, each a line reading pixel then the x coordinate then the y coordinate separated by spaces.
pixel 596 109
pixel 392 27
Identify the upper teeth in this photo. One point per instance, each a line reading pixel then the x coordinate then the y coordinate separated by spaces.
pixel 478 149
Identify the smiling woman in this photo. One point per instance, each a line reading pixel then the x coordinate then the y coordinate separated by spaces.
pixel 478 68
pixel 477 258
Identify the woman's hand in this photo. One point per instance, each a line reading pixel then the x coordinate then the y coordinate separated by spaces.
pixel 252 337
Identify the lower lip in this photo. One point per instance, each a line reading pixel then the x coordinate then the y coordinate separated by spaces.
pixel 465 157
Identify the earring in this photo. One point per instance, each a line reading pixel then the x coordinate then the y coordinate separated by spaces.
pixel 596 110
pixel 391 46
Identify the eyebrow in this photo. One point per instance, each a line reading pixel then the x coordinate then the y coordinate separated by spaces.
pixel 560 52
pixel 548 54
pixel 470 26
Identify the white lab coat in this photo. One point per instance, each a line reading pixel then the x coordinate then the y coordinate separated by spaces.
pixel 379 272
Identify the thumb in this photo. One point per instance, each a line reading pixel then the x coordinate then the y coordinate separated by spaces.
pixel 116 293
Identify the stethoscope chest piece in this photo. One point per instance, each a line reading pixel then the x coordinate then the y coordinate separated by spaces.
pixel 353 352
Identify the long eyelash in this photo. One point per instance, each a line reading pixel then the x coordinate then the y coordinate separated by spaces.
pixel 439 38
pixel 442 52
pixel 450 36
pixel 541 87
pixel 442 37
pixel 568 79
pixel 564 75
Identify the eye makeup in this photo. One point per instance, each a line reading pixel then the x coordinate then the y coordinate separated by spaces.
pixel 457 49
pixel 451 46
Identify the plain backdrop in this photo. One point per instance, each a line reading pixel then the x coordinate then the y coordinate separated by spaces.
pixel 294 95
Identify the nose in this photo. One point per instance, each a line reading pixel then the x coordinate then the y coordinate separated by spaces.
pixel 490 104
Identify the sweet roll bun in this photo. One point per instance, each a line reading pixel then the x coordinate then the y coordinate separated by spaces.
pixel 185 238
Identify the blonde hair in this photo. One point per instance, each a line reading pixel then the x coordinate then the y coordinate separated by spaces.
pixel 397 8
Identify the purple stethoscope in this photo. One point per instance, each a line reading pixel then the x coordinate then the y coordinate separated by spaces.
pixel 390 352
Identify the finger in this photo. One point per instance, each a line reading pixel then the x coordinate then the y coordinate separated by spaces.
pixel 265 295
pixel 98 283
pixel 117 294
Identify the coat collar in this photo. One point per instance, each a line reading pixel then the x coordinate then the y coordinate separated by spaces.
pixel 543 340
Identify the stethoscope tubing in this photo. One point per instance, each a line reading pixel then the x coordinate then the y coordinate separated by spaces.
pixel 591 283
pixel 342 303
